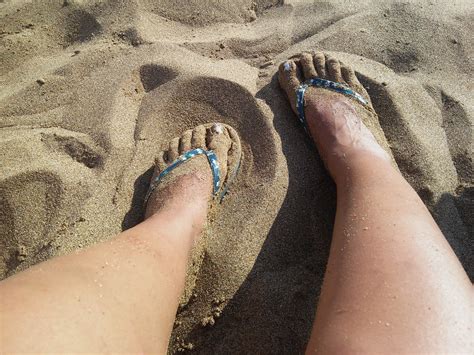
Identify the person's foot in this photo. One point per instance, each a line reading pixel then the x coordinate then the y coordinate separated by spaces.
pixel 337 123
pixel 189 186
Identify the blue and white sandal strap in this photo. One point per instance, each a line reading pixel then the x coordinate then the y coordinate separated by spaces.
pixel 326 84
pixel 211 157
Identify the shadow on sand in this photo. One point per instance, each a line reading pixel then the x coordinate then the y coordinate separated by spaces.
pixel 273 310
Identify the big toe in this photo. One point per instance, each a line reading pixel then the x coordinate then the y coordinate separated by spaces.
pixel 289 76
pixel 219 141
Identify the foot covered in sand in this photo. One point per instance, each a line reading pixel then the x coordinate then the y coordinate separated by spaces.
pixel 334 108
pixel 199 164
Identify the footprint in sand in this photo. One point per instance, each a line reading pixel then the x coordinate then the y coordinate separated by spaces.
pixel 46 179
pixel 176 102
pixel 290 265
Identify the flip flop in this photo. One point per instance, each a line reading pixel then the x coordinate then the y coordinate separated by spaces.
pixel 329 85
pixel 196 140
pixel 220 183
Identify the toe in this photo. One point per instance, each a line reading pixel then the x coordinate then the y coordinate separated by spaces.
pixel 234 137
pixel 289 77
pixel 235 152
pixel 217 137
pixel 334 69
pixel 218 140
pixel 173 150
pixel 319 60
pixel 185 142
pixel 307 64
pixel 160 160
pixel 350 78
pixel 198 138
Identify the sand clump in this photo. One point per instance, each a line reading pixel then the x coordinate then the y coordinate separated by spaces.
pixel 91 90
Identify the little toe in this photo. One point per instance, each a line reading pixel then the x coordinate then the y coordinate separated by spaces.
pixel 307 64
pixel 334 69
pixel 351 79
pixel 319 60
pixel 349 76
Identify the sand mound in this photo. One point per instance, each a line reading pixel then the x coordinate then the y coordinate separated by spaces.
pixel 199 13
pixel 91 90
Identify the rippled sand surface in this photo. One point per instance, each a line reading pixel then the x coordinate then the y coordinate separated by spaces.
pixel 91 90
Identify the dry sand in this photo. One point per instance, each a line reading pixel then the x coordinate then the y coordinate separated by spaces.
pixel 90 90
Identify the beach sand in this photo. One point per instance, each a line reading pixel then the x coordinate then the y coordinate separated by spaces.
pixel 91 90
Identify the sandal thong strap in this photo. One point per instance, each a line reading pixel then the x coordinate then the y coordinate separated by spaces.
pixel 211 158
pixel 325 84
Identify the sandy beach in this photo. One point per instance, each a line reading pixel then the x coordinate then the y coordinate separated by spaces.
pixel 91 90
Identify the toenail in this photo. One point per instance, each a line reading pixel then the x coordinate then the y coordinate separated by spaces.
pixel 286 66
pixel 217 128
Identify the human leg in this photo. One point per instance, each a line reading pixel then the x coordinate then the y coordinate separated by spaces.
pixel 120 295
pixel 392 284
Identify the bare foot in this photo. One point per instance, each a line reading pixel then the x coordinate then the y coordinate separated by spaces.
pixel 190 185
pixel 337 123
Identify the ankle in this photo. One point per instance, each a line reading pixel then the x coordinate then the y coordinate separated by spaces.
pixel 187 195
pixel 360 166
pixel 185 224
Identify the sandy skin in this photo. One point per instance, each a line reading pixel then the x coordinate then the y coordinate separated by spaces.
pixel 392 284
pixel 84 292
pixel 389 287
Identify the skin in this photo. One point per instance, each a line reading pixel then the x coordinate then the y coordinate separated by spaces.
pixel 393 284
pixel 121 295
